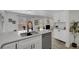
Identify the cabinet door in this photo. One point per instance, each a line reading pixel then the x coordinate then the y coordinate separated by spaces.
pixel 30 43
pixel 10 46
pixel 11 22
pixel 24 44
pixel 36 42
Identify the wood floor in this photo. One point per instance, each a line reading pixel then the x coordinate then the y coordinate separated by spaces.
pixel 57 44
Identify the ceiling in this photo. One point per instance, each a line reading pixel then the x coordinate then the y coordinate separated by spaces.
pixel 38 12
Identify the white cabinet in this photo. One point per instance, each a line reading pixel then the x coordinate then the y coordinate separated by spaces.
pixel 59 33
pixel 36 42
pixel 10 46
pixel 30 43
pixel 10 22
pixel 24 44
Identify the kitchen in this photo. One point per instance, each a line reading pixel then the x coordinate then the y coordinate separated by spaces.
pixel 21 31
pixel 35 29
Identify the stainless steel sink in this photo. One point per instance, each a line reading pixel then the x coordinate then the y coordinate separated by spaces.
pixel 28 34
pixel 34 32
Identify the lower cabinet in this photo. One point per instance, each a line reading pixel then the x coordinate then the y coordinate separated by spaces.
pixel 30 43
pixel 37 42
pixel 24 44
pixel 10 46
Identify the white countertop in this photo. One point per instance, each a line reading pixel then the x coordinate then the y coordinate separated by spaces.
pixel 43 31
pixel 13 36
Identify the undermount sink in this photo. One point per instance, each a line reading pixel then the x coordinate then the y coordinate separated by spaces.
pixel 25 34
pixel 29 33
pixel 34 32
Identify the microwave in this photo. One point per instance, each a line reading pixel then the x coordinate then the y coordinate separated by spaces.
pixel 47 26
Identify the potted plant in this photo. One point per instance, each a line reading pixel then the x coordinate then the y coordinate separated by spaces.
pixel 73 29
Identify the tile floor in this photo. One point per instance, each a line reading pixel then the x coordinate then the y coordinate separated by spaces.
pixel 57 44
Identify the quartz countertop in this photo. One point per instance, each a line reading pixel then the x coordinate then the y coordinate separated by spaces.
pixel 13 36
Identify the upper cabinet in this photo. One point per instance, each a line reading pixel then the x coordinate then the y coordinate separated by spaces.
pixel 10 22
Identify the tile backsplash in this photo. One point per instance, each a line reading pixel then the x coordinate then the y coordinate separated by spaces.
pixel 21 24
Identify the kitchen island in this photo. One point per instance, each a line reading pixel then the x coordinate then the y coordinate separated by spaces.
pixel 12 40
